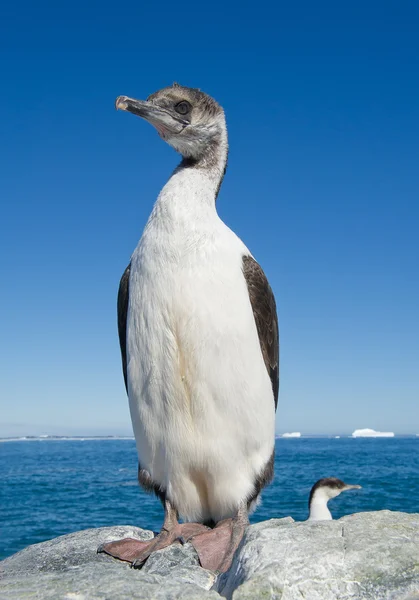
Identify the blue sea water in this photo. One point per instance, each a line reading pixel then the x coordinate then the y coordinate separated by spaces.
pixel 52 487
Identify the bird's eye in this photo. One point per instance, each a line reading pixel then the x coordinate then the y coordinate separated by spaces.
pixel 183 107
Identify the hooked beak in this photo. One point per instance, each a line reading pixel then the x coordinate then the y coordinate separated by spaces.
pixel 349 486
pixel 165 122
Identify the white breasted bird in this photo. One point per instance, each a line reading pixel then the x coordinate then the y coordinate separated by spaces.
pixel 320 494
pixel 199 342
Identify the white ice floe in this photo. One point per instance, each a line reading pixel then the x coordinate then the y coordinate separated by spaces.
pixel 372 433
pixel 293 434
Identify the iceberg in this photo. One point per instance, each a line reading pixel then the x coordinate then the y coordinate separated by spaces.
pixel 372 433
pixel 294 434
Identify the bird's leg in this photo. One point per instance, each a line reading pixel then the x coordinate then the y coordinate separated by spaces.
pixel 136 552
pixel 216 547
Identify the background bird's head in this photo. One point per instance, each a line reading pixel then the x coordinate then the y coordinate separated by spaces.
pixel 330 487
pixel 189 120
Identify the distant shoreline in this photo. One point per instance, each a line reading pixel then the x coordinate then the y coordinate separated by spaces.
pixel 82 438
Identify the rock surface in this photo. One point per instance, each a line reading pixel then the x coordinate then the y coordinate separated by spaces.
pixel 366 555
pixel 363 556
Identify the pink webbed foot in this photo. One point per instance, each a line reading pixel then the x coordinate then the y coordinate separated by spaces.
pixel 136 552
pixel 127 549
pixel 216 548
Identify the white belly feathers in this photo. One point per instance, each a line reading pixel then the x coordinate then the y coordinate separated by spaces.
pixel 201 400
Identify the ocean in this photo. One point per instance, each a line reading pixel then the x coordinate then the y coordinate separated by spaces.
pixel 53 487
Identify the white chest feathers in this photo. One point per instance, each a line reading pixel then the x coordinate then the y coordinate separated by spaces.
pixel 200 396
pixel 318 506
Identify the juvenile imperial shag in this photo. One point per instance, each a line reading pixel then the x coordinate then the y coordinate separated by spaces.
pixel 198 333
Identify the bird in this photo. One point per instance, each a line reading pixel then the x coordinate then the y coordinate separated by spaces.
pixel 321 492
pixel 198 332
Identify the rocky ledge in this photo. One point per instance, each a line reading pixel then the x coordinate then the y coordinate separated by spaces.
pixel 366 555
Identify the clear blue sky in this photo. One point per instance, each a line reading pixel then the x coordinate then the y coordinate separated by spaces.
pixel 322 104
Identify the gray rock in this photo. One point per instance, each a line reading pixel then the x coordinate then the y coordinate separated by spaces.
pixel 362 556
pixel 69 568
pixel 367 556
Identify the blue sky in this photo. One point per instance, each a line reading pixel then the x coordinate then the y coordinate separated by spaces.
pixel 322 105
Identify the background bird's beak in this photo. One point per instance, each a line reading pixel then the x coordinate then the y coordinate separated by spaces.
pixel 164 121
pixel 348 486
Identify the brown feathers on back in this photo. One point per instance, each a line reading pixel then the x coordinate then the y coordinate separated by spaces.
pixel 264 311
pixel 122 304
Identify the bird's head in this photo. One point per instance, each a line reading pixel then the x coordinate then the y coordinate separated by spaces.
pixel 330 487
pixel 189 120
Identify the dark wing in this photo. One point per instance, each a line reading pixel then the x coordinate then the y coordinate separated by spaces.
pixel 264 311
pixel 123 296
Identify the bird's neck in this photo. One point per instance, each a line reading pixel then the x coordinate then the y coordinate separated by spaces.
pixel 213 161
pixel 318 507
pixel 192 189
